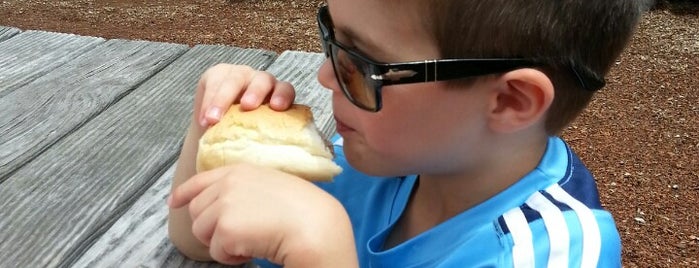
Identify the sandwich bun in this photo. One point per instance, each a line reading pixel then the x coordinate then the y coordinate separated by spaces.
pixel 288 141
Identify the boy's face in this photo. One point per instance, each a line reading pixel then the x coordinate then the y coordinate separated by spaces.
pixel 422 128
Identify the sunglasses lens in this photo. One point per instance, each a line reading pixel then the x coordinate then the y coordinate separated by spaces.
pixel 352 75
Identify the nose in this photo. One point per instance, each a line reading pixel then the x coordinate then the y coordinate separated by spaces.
pixel 326 75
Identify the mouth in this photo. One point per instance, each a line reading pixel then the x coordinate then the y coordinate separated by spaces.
pixel 341 126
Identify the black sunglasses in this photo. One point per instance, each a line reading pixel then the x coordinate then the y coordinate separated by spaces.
pixel 361 78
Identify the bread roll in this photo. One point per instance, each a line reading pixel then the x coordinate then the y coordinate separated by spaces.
pixel 288 141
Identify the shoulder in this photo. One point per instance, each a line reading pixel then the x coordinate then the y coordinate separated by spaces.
pixel 554 233
pixel 563 225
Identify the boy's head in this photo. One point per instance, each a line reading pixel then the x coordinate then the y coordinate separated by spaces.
pixel 586 35
pixel 381 50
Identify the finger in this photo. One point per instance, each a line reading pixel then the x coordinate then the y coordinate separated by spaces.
pixel 203 200
pixel 222 86
pixel 282 96
pixel 219 250
pixel 204 224
pixel 200 102
pixel 207 85
pixel 261 84
pixel 184 193
pixel 210 113
pixel 220 100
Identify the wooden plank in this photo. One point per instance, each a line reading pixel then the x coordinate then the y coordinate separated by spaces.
pixel 55 207
pixel 7 32
pixel 41 112
pixel 118 246
pixel 139 238
pixel 32 54
pixel 300 69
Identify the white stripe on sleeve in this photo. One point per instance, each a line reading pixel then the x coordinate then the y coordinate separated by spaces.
pixel 556 227
pixel 523 250
pixel 592 241
pixel 339 141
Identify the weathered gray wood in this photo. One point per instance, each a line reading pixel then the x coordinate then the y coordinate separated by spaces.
pixel 32 54
pixel 139 238
pixel 300 69
pixel 56 206
pixel 41 112
pixel 7 32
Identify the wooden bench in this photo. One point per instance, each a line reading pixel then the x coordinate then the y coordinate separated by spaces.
pixel 90 129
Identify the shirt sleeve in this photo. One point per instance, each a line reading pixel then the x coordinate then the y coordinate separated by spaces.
pixel 546 242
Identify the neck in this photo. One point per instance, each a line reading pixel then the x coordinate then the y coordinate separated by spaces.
pixel 439 197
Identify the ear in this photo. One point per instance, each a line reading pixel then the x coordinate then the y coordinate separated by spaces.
pixel 520 100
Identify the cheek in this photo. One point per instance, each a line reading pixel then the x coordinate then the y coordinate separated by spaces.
pixel 405 146
pixel 397 137
pixel 380 149
pixel 409 116
pixel 428 131
pixel 385 136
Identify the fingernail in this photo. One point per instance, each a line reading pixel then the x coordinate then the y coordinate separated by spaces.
pixel 214 113
pixel 169 201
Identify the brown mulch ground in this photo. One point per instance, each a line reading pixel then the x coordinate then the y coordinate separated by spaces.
pixel 640 136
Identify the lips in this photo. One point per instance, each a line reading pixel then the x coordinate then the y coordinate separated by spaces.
pixel 341 126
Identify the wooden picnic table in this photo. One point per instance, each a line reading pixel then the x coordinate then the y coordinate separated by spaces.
pixel 90 129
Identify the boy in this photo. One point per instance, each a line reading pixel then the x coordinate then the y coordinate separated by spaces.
pixel 447 163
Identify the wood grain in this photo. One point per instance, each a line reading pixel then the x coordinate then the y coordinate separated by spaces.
pixel 56 206
pixel 139 238
pixel 38 114
pixel 30 55
pixel 7 32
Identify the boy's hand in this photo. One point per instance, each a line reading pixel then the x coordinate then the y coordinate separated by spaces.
pixel 234 213
pixel 246 211
pixel 224 84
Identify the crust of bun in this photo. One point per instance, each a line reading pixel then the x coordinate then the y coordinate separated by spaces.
pixel 288 141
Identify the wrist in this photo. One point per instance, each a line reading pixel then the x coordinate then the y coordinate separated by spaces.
pixel 329 244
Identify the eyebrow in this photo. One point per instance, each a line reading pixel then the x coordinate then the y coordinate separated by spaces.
pixel 351 35
pixel 356 39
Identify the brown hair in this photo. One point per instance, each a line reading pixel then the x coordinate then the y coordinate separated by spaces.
pixel 585 34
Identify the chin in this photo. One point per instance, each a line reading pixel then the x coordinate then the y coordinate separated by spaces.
pixel 370 163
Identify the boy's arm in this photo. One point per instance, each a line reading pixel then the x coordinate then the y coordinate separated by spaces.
pixel 565 243
pixel 327 242
pixel 179 220
pixel 306 227
pixel 210 93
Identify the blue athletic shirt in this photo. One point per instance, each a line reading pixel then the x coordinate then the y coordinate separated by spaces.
pixel 552 217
